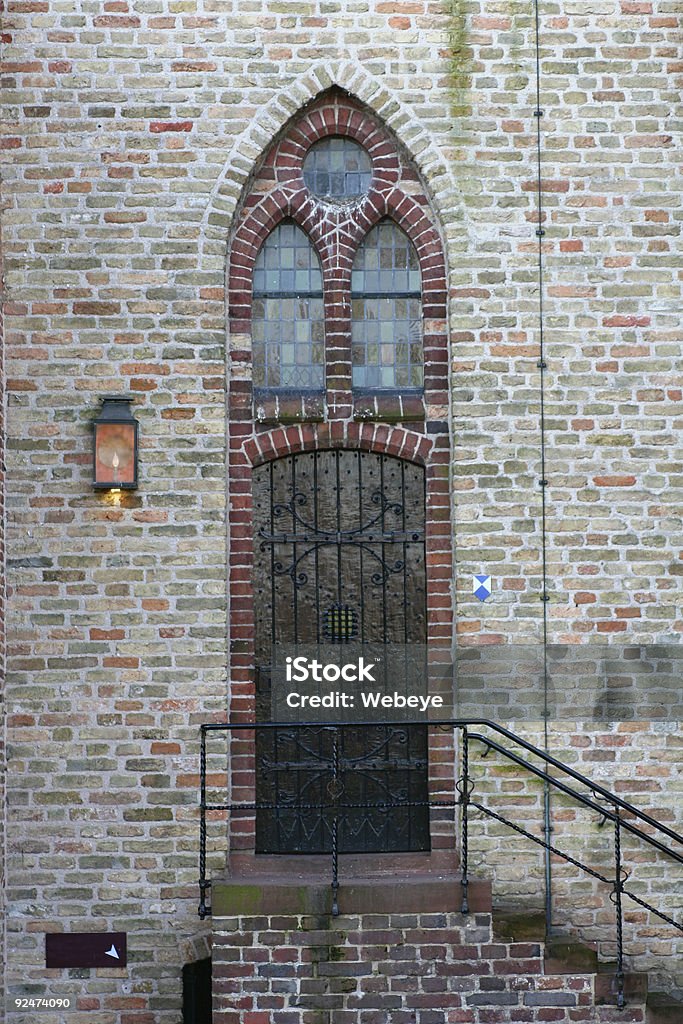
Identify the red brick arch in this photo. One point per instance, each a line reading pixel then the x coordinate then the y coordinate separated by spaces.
pixel 287 157
pixel 369 437
pixel 404 210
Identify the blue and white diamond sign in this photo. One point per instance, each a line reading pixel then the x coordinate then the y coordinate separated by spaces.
pixel 481 587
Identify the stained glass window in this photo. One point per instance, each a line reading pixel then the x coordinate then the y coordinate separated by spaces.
pixel 386 304
pixel 288 329
pixel 337 168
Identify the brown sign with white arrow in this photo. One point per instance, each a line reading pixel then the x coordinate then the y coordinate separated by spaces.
pixel 85 949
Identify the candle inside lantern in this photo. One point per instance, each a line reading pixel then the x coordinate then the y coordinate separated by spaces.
pixel 115 446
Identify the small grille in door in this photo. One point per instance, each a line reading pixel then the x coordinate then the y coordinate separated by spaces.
pixel 340 624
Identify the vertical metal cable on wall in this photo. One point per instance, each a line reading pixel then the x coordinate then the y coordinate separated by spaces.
pixel 543 482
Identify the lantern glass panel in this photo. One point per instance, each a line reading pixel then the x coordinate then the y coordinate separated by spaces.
pixel 115 454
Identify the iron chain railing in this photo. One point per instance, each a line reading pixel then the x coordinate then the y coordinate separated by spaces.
pixel 624 816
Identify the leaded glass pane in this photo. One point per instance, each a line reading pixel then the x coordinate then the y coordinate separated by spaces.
pixel 287 312
pixel 287 262
pixel 386 262
pixel 337 168
pixel 386 311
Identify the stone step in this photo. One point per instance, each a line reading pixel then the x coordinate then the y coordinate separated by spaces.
pixel 635 986
pixel 429 893
pixel 662 1008
pixel 568 956
pixel 564 955
pixel 513 926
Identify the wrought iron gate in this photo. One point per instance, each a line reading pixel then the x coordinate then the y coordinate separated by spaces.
pixel 339 556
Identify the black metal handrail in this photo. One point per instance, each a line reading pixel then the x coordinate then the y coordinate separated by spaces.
pixel 465 786
pixel 586 801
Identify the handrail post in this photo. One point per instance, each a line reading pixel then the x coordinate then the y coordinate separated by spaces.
pixel 464 803
pixel 203 884
pixel 335 825
pixel 618 889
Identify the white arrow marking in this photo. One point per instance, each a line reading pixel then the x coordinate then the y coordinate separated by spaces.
pixel 112 952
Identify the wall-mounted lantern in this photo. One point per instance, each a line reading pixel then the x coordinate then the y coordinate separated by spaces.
pixel 116 445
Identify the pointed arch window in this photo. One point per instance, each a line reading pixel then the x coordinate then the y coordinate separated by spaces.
pixel 386 305
pixel 288 322
pixel 339 304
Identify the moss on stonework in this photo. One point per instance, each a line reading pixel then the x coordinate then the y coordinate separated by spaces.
pixel 239 899
pixel 459 58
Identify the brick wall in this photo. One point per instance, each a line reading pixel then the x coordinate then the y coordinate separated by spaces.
pixel 132 135
pixel 2 619
pixel 368 968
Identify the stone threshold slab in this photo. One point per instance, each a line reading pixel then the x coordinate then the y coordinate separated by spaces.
pixel 399 894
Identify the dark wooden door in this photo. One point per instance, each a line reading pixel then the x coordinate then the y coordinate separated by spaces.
pixel 197 983
pixel 339 556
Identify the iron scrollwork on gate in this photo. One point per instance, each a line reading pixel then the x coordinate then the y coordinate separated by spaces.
pixel 365 537
pixel 339 554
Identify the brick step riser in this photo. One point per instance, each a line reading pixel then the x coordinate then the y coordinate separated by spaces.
pixel 394 969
